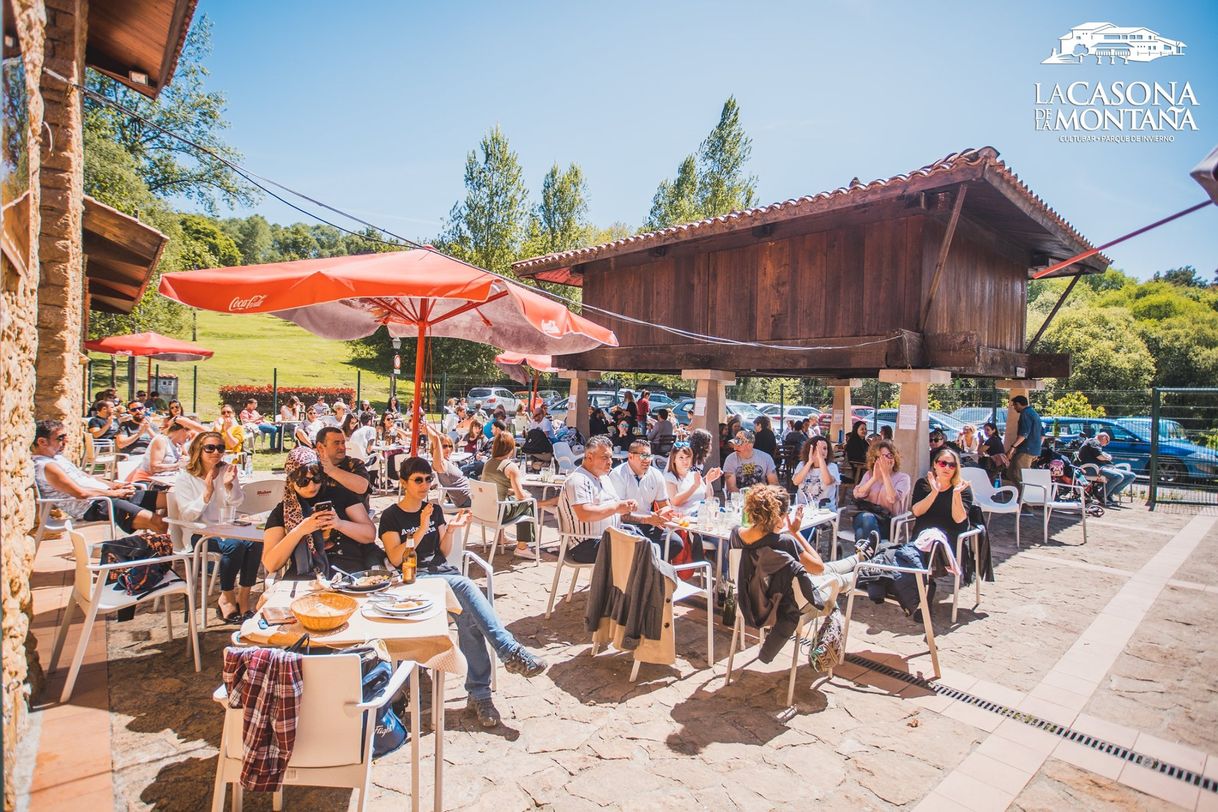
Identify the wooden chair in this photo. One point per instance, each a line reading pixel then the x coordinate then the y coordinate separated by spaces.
pixel 94 596
pixel 663 650
pixel 334 729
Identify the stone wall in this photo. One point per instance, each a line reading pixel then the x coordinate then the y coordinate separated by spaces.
pixel 59 389
pixel 18 316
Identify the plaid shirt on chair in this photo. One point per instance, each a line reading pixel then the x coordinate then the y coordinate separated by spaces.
pixel 268 684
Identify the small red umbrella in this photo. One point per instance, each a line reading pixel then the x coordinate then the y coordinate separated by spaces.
pixel 418 292
pixel 153 346
pixel 512 363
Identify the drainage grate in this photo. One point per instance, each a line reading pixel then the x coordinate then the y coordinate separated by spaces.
pixel 1069 734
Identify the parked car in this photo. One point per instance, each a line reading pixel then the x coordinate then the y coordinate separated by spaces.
pixel 1179 460
pixel 491 397
pixel 945 423
pixel 547 396
pixel 601 399
pixel 790 412
pixel 863 413
pixel 747 411
pixel 980 415
pixel 1168 429
pixel 683 409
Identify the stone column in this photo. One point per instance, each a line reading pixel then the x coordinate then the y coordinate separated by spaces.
pixel 577 399
pixel 61 287
pixel 913 443
pixel 710 393
pixel 1016 388
pixel 18 337
pixel 840 419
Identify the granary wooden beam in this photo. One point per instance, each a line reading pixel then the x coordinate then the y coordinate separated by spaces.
pixel 1048 319
pixel 944 248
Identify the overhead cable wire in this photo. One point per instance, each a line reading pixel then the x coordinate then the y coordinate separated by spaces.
pixel 262 182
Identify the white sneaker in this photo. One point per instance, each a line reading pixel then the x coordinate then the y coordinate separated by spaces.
pixel 526 553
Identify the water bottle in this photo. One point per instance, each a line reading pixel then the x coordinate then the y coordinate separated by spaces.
pixel 997 481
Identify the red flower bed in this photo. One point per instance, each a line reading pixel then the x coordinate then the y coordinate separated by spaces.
pixel 237 395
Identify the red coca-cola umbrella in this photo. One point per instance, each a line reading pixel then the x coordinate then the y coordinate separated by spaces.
pixel 419 292
pixel 153 346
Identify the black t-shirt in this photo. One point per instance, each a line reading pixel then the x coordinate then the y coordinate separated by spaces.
pixel 405 523
pixel 940 513
pixel 765 441
pixel 108 434
pixel 337 493
pixel 993 445
pixel 126 429
pixel 337 545
pixel 597 424
pixel 1090 453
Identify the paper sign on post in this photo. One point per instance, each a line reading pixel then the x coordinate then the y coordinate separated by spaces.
pixel 907 417
pixel 838 417
pixel 699 406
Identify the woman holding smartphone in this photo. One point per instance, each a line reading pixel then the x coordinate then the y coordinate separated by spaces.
pixel 306 534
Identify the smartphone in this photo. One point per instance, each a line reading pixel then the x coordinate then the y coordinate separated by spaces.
pixel 323 506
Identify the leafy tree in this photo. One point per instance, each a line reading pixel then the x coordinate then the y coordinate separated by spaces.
pixel 1185 348
pixel 253 238
pixel 1073 404
pixel 168 167
pixel 487 228
pixel 714 182
pixel 560 221
pixel 296 241
pixel 1185 277
pixel 676 201
pixel 1107 351
pixel 205 245
pixel 722 184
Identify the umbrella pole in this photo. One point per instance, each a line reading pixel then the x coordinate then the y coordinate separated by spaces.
pixel 419 356
pixel 149 376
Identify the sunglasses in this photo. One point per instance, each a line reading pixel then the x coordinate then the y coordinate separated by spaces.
pixel 226 414
pixel 643 455
pixel 307 476
pixel 136 409
pixel 945 463
pixel 422 479
pixel 211 448
pixel 680 444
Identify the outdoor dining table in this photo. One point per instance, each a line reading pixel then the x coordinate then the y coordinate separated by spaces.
pixel 426 641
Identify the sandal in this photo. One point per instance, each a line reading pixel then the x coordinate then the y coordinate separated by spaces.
pixel 231 619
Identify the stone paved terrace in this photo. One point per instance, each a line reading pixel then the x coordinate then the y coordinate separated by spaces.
pixel 1112 638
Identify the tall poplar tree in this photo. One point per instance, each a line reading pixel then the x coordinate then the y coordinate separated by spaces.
pixel 676 201
pixel 488 227
pixel 560 221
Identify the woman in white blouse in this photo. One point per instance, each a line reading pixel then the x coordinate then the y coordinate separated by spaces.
pixel 203 490
pixel 687 487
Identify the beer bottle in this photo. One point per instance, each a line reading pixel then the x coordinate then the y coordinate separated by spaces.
pixel 410 563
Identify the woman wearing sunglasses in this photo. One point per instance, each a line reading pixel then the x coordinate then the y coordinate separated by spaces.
pixel 941 499
pixel 230 429
pixel 203 489
pixel 415 522
pixel 303 535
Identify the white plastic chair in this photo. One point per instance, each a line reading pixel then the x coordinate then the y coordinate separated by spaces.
pixel 1092 472
pixel 985 496
pixel 334 729
pixel 91 593
pixel 567 538
pixel 565 457
pixel 100 453
pixel 733 563
pixel 902 525
pixel 1039 490
pixel 50 525
pixel 489 513
pixel 461 558
pixel 624 545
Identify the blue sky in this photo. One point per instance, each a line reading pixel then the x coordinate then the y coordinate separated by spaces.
pixel 374 108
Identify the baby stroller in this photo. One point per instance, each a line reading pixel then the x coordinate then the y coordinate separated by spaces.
pixel 1063 471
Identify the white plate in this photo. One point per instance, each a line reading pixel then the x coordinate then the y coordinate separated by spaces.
pixel 382 603
pixel 371 612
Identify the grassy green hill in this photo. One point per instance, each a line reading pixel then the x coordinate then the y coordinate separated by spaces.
pixel 247 349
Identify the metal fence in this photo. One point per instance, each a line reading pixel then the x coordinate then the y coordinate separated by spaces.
pixel 1183 429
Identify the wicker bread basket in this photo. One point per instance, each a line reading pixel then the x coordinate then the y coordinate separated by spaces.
pixel 323 611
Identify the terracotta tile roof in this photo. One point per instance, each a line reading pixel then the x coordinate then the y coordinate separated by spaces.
pixel 977 164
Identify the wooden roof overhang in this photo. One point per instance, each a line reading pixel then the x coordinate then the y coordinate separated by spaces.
pixel 999 206
pixel 120 256
pixel 129 40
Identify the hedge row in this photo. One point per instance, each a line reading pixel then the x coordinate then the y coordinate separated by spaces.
pixel 237 395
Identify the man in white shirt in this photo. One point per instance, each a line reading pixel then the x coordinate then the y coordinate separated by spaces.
pixel 337 416
pixel 359 444
pixel 590 504
pixel 637 481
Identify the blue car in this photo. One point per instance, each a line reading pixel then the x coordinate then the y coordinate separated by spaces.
pixel 1179 460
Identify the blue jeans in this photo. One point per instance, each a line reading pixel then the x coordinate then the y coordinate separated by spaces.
pixel 477 625
pixel 1118 480
pixel 867 523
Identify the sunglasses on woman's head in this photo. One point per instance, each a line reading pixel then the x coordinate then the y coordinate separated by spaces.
pixel 211 448
pixel 680 444
pixel 945 463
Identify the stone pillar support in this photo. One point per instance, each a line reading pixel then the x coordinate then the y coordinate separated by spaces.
pixel 577 400
pixel 710 403
pixel 1016 388
pixel 913 441
pixel 840 419
pixel 61 287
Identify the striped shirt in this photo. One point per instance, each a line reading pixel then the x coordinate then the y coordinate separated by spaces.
pixel 585 488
